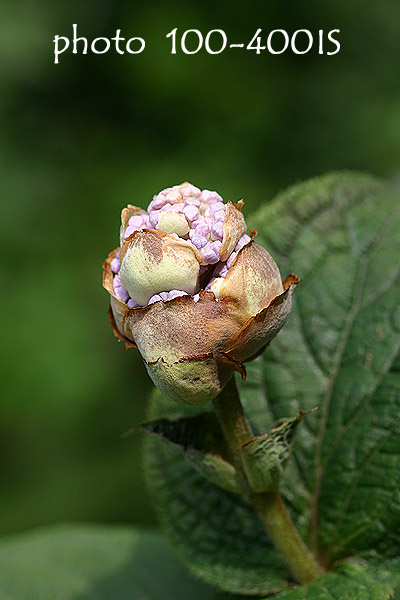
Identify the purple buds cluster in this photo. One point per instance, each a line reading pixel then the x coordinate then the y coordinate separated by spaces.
pixel 194 215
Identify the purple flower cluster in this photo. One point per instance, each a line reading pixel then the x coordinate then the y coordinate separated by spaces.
pixel 192 214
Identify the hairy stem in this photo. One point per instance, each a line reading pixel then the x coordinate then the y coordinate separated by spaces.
pixel 233 421
pixel 297 557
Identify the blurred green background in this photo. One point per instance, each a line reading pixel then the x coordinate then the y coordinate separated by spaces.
pixel 81 139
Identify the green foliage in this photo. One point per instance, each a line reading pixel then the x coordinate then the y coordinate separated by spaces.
pixel 340 352
pixel 201 518
pixel 202 442
pixel 351 582
pixel 94 563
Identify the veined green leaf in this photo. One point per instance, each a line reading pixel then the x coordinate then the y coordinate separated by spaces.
pixel 340 352
pixel 201 440
pixel 350 582
pixel 217 533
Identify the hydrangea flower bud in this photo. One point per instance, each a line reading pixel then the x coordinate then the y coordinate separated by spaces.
pixel 193 292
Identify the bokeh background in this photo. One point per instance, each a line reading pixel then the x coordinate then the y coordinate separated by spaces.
pixel 81 139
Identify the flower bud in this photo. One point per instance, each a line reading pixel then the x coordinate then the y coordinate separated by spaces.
pixel 172 222
pixel 193 292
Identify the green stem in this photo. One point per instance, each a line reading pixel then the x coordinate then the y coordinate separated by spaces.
pixel 297 557
pixel 233 421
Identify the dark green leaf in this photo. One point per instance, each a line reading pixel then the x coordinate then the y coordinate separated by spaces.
pixel 350 582
pixel 74 562
pixel 201 440
pixel 216 532
pixel 340 352
pixel 201 432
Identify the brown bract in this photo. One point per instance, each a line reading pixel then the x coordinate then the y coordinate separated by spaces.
pixel 191 349
pixel 233 229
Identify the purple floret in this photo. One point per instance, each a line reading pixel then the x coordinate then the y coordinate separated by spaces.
pixel 211 252
pixel 115 265
pixel 119 289
pixel 191 212
pixel 198 240
pixel 217 230
pixel 176 293
pixel 132 304
pixel 245 239
pixel 153 218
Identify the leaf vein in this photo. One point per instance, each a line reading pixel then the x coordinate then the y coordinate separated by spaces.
pixel 328 395
pixel 358 474
pixel 321 370
pixel 366 526
pixel 365 403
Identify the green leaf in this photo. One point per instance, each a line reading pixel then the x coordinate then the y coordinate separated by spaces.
pixel 350 582
pixel 265 457
pixel 86 562
pixel 194 436
pixel 201 431
pixel 217 533
pixel 340 352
